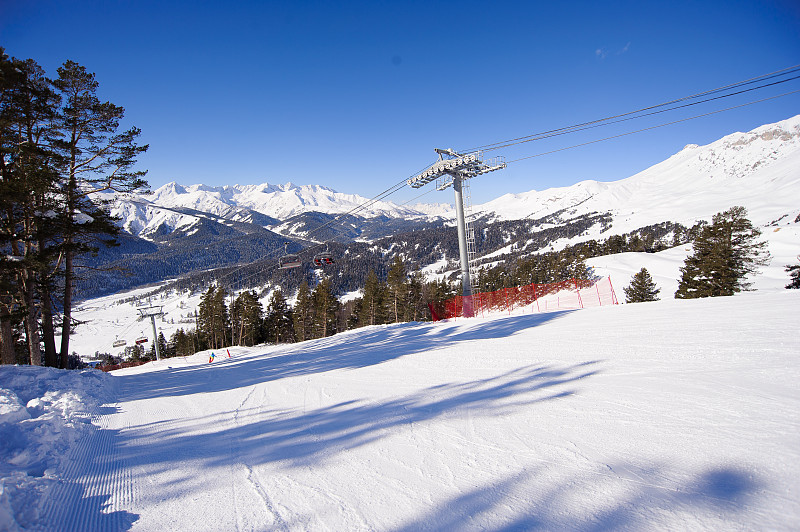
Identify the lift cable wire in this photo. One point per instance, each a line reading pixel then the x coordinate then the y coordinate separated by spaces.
pixel 640 116
pixel 654 127
pixel 608 120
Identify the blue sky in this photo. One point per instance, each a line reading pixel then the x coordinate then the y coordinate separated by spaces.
pixel 356 95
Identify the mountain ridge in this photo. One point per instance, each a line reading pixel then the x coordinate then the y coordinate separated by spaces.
pixel 703 179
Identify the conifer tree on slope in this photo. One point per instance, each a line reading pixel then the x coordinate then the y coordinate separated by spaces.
pixel 372 302
pixel 642 288
pixel 396 288
pixel 278 322
pixel 303 313
pixel 325 308
pixel 95 157
pixel 725 253
pixel 794 274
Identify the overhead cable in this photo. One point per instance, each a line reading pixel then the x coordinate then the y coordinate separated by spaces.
pixel 613 119
pixel 653 127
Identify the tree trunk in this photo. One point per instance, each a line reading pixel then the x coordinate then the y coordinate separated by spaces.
pixel 7 355
pixel 65 327
pixel 48 330
pixel 31 323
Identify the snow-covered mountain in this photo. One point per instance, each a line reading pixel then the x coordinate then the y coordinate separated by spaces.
pixel 174 207
pixel 759 170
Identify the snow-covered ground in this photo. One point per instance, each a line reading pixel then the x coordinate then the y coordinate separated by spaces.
pixel 673 415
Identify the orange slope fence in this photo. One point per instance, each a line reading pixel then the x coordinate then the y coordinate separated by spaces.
pixel 564 295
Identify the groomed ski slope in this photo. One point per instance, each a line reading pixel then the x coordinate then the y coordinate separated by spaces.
pixel 674 415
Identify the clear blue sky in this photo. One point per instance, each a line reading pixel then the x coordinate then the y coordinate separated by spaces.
pixel 356 95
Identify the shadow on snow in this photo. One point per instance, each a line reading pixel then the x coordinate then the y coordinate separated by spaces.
pixel 355 349
pixel 717 496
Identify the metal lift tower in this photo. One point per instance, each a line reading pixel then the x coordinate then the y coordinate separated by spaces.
pixel 454 168
pixel 152 312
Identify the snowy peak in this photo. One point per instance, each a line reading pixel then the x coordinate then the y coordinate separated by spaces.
pixel 759 170
pixel 739 155
pixel 278 201
pixel 174 206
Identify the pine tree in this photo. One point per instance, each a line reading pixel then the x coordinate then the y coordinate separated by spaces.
pixel 94 158
pixel 278 322
pixel 246 317
pixel 372 301
pixel 416 306
pixel 724 254
pixel 181 343
pixel 642 288
pixel 325 308
pixel 303 313
pixel 213 318
pixel 28 179
pixel 794 274
pixel 396 289
pixel 164 348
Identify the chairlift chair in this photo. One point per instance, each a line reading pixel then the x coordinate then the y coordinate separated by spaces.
pixel 288 260
pixel 323 258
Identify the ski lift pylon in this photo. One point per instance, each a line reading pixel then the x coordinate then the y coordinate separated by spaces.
pixel 288 260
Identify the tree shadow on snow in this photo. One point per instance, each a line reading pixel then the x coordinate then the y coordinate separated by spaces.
pixel 529 501
pixel 254 436
pixel 356 349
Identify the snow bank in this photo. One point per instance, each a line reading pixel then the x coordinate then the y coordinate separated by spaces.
pixel 43 413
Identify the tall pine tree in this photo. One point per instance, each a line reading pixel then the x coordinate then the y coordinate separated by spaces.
pixel 303 313
pixel 278 322
pixel 95 157
pixel 246 317
pixel 396 289
pixel 372 309
pixel 325 308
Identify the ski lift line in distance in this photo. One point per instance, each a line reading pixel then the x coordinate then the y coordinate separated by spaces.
pixel 552 132
pixel 653 127
pixel 387 192
pixel 593 125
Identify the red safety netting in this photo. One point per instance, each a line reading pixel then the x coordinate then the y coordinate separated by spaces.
pixel 564 295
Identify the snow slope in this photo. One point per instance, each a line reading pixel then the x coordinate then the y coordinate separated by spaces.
pixel 674 415
pixel 759 170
